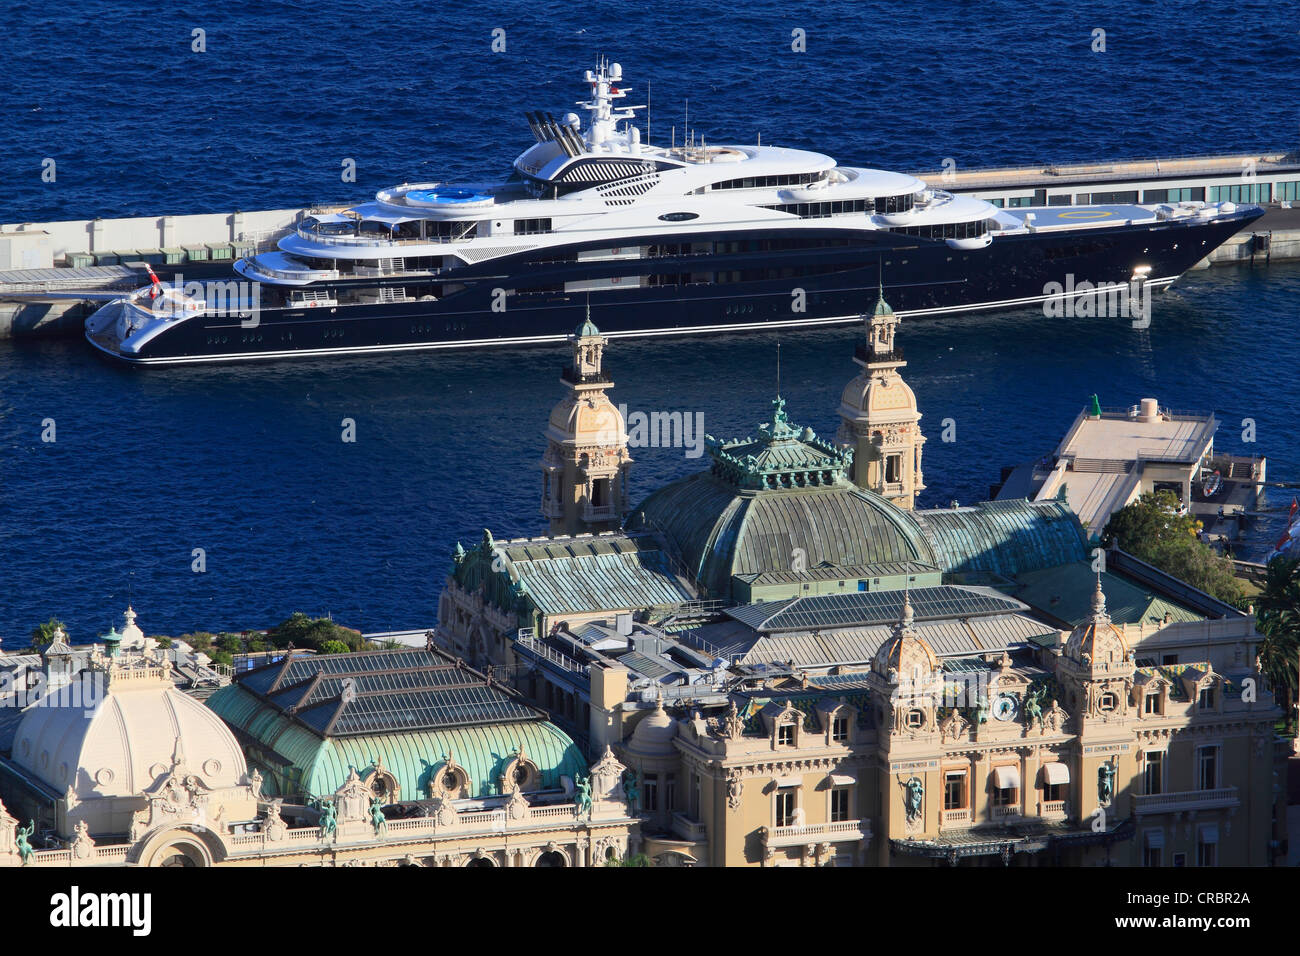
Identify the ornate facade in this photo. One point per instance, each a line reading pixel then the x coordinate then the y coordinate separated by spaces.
pixel 1074 756
pixel 352 760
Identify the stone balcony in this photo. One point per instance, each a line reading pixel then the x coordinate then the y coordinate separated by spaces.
pixel 685 828
pixel 1184 800
pixel 953 819
pixel 1052 810
pixel 844 830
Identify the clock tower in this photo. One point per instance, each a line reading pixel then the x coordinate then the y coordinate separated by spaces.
pixel 878 416
pixel 584 470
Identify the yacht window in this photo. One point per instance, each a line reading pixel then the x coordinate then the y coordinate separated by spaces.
pixel 530 227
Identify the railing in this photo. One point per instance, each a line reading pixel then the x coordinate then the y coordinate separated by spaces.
pixel 682 691
pixel 256 266
pixel 574 377
pixel 548 653
pixel 1053 809
pixel 592 512
pixel 828 832
pixel 688 829
pixel 376 240
pixel 955 818
pixel 1179 801
pixel 866 353
pixel 1007 813
pixel 694 608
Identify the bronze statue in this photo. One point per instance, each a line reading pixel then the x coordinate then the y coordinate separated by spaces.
pixel 913 795
pixel 328 819
pixel 632 788
pixel 584 796
pixel 1106 782
pixel 24 847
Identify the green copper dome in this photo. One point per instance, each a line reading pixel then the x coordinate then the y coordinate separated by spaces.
pixel 778 501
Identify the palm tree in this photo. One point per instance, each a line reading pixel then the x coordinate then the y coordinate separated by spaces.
pixel 1278 617
pixel 43 634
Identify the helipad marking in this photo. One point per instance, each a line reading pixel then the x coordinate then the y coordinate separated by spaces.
pixel 1089 214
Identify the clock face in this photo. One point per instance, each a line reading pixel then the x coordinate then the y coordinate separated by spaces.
pixel 1004 708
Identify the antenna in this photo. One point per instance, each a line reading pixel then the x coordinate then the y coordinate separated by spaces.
pixel 647 112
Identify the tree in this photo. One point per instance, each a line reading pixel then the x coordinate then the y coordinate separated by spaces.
pixel 199 641
pixel 1151 530
pixel 308 632
pixel 1277 615
pixel 639 859
pixel 43 634
pixel 332 647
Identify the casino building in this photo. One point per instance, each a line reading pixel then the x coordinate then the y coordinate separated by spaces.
pixel 799 667
pixel 384 758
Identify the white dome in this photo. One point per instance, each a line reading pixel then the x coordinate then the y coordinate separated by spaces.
pixel 653 735
pixel 121 746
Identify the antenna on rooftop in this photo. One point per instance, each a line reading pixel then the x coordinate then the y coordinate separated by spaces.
pixel 778 367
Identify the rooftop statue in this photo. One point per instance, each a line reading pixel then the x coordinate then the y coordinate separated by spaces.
pixel 632 788
pixel 328 820
pixel 584 796
pixel 24 847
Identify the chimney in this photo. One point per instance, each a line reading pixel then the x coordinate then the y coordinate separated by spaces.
pixel 1150 410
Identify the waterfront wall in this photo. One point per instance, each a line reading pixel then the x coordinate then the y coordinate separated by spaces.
pixel 74 236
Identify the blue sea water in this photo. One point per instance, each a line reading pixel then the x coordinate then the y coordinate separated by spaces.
pixel 247 463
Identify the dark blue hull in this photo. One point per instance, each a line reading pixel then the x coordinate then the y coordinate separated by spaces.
pixel 714 292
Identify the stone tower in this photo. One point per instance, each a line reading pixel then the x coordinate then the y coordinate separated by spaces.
pixel 878 416
pixel 584 470
pixel 1096 672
